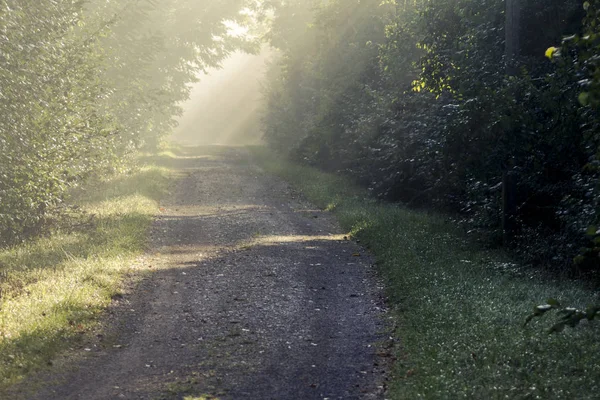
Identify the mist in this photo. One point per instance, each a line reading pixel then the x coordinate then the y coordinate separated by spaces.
pixel 225 106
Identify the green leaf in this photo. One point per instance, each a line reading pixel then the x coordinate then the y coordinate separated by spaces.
pixel 551 52
pixel 568 312
pixel 553 302
pixel 539 310
pixel 584 98
pixel 578 259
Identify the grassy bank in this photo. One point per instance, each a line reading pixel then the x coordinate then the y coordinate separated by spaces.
pixel 459 308
pixel 53 289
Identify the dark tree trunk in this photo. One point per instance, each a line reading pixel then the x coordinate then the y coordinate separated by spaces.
pixel 509 179
pixel 512 29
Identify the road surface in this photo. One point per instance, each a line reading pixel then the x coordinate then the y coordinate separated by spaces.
pixel 252 294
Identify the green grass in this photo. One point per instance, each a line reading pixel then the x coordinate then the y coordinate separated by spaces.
pixel 459 309
pixel 54 289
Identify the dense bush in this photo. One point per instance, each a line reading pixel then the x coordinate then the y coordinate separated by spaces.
pixel 82 84
pixel 417 101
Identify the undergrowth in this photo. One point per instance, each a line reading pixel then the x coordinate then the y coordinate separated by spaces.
pixel 53 289
pixel 459 309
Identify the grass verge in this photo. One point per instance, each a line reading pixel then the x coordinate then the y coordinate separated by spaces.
pixel 53 289
pixel 459 309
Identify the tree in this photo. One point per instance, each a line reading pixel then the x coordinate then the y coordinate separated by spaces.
pixel 84 83
pixel 390 99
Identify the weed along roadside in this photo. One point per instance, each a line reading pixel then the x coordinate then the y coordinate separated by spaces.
pixel 459 309
pixel 55 288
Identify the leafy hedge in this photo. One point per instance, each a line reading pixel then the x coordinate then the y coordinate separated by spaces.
pixel 416 100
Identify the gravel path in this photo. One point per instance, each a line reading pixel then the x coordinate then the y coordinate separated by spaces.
pixel 254 294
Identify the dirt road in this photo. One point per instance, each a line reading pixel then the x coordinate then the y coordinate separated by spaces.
pixel 254 294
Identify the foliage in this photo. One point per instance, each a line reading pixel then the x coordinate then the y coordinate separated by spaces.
pixel 569 316
pixel 85 83
pixel 417 103
pixel 318 87
pixel 578 54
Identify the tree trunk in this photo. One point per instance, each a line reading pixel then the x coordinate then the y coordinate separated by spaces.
pixel 511 31
pixel 509 179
